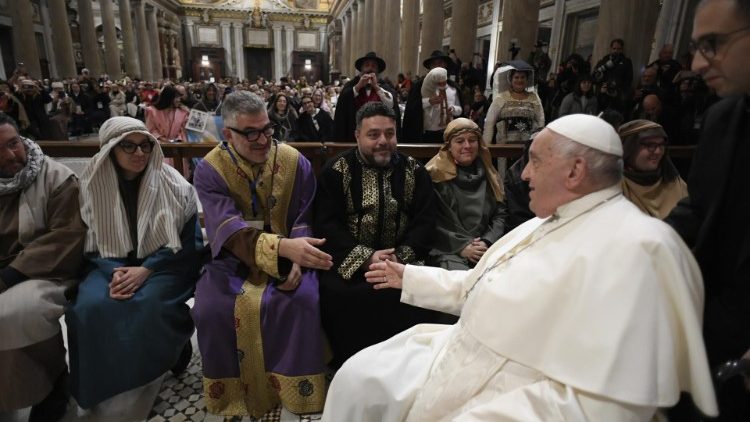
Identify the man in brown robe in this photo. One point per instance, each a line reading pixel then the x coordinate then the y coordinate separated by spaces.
pixel 41 250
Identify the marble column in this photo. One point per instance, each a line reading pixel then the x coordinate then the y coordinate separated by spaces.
pixel 111 50
pixel 668 25
pixel 354 44
pixel 555 43
pixel 147 70
pixel 378 27
pixel 636 32
pixel 24 39
pixel 239 51
pixel 362 33
pixel 464 23
pixel 391 38
pixel 153 30
pixel 89 44
pixel 370 29
pixel 346 40
pixel 323 34
pixel 278 53
pixel 494 41
pixel 520 23
pixel 432 28
pixel 49 48
pixel 410 38
pixel 62 40
pixel 226 42
pixel 190 36
pixel 289 30
pixel 128 39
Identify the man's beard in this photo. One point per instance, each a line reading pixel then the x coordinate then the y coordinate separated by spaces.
pixel 379 160
pixel 11 169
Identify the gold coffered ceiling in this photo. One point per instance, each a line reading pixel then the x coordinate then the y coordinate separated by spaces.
pixel 268 5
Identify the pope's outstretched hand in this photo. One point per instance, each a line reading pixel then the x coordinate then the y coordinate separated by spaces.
pixel 385 275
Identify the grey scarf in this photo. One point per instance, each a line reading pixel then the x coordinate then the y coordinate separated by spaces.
pixel 27 175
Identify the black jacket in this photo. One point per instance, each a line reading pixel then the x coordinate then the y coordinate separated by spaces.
pixel 711 220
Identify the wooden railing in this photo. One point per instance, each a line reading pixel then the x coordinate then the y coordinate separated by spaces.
pixel 318 153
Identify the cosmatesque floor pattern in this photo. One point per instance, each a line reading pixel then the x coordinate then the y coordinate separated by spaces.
pixel 181 400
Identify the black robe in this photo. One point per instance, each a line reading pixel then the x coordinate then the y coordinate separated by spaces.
pixel 360 209
pixel 344 121
pixel 713 220
pixel 306 128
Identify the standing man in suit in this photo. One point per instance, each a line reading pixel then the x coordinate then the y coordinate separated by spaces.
pixel 714 219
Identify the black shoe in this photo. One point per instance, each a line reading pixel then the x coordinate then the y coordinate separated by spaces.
pixel 54 406
pixel 184 360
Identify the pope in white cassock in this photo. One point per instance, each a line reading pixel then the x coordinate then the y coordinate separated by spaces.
pixel 591 311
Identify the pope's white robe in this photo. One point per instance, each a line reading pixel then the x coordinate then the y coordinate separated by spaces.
pixel 597 316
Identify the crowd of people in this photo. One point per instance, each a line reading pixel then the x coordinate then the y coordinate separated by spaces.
pixel 456 289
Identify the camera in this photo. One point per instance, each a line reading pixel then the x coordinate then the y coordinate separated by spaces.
pixel 601 71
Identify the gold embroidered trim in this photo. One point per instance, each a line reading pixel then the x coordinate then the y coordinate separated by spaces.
pixel 390 213
pixel 283 185
pixel 267 254
pixel 225 396
pixel 354 260
pixel 257 398
pixel 370 206
pixel 342 166
pixel 287 159
pixel 411 166
pixel 405 254
pixel 300 394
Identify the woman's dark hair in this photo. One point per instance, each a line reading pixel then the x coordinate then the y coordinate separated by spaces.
pixel 583 78
pixel 276 100
pixel 166 98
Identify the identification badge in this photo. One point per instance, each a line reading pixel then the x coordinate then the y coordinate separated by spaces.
pixel 256 224
pixel 99 105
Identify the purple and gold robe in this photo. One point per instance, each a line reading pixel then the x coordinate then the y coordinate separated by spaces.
pixel 260 345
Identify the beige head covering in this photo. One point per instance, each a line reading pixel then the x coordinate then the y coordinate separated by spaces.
pixel 166 201
pixel 442 167
pixel 430 84
pixel 590 131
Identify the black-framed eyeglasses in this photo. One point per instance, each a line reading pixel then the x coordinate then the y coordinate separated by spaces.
pixel 709 44
pixel 653 146
pixel 253 134
pixel 129 147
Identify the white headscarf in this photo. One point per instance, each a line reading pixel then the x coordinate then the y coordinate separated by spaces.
pixel 166 201
pixel 430 84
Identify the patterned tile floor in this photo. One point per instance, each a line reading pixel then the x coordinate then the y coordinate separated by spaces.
pixel 180 399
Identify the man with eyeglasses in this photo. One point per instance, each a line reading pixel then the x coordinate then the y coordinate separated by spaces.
pixel 41 250
pixel 714 220
pixel 314 124
pixel 256 305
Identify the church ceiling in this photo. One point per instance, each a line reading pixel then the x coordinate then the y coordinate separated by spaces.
pixel 288 6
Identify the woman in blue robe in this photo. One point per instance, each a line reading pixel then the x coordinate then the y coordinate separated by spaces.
pixel 129 322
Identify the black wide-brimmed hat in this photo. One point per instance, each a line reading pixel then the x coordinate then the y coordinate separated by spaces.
pixel 437 54
pixel 370 56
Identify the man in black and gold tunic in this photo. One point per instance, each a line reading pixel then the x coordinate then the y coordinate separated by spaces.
pixel 372 204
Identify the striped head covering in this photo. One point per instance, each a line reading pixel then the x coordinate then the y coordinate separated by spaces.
pixel 442 167
pixel 166 201
pixel 630 134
